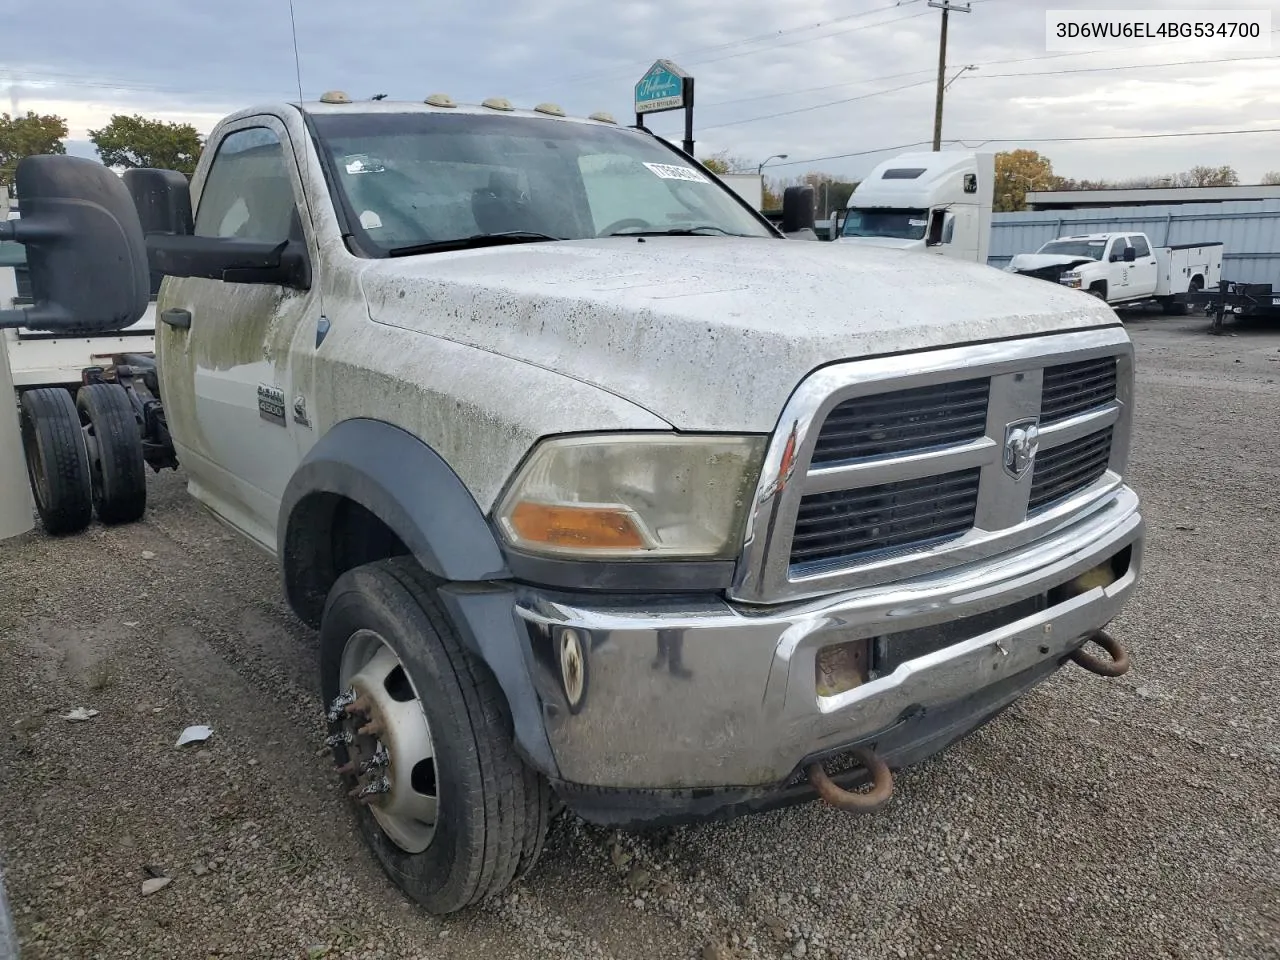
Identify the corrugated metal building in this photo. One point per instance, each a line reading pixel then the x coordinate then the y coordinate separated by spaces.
pixel 1249 231
pixel 1147 196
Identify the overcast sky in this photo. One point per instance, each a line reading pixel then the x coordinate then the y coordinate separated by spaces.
pixel 751 58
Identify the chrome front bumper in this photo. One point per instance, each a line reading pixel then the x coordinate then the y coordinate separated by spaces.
pixel 682 694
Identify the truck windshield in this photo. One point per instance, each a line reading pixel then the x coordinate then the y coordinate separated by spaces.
pixel 904 224
pixel 417 180
pixel 1076 248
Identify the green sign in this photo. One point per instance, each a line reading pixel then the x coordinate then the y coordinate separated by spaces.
pixel 661 89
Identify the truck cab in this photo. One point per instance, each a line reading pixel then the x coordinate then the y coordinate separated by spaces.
pixel 938 202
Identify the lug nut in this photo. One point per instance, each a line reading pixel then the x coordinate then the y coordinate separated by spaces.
pixel 338 739
pixel 340 702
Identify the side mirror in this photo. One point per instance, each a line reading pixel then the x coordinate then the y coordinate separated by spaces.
pixel 797 209
pixel 937 220
pixel 232 260
pixel 162 199
pixel 85 254
pixel 1130 254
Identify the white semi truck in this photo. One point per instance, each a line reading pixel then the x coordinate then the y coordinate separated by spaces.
pixel 939 202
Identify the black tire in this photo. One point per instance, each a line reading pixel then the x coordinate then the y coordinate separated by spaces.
pixel 1099 292
pixel 115 452
pixel 57 460
pixel 1176 306
pixel 493 809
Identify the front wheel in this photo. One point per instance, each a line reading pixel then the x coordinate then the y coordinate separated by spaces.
pixel 424 741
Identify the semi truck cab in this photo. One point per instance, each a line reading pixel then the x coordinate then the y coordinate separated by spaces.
pixel 940 202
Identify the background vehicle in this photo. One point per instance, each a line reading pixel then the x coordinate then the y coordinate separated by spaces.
pixel 1124 268
pixel 940 202
pixel 583 484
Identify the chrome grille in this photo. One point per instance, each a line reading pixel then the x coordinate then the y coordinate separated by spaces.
pixel 904 465
pixel 1073 388
pixel 1066 470
pixel 852 524
pixel 934 416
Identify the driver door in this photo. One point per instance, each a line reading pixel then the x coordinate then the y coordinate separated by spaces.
pixel 228 376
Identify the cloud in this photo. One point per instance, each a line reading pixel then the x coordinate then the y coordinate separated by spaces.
pixel 752 59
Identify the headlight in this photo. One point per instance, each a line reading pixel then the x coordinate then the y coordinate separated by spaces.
pixel 633 496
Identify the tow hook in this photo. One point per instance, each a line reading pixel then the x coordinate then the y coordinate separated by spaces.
pixel 1117 665
pixel 847 800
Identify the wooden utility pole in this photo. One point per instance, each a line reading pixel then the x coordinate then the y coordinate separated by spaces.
pixel 946 6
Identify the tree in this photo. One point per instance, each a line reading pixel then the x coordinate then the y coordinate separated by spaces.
pixel 140 142
pixel 28 136
pixel 724 162
pixel 1018 171
pixel 1200 176
pixel 1271 178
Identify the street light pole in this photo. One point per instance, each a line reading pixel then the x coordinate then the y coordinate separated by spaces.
pixel 776 156
pixel 946 6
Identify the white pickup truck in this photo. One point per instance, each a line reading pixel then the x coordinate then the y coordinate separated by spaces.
pixel 585 487
pixel 1125 268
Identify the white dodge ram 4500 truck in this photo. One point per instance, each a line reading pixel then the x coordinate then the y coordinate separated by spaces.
pixel 585 487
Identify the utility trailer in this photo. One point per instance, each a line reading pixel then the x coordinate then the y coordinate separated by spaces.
pixel 1234 299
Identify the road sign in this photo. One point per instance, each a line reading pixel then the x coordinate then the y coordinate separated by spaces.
pixel 662 88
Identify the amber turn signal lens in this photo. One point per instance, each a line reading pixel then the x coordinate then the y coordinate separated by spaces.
pixel 569 526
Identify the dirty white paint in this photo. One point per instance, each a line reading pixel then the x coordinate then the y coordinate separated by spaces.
pixel 482 353
pixel 710 333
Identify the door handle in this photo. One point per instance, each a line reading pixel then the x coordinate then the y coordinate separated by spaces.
pixel 178 318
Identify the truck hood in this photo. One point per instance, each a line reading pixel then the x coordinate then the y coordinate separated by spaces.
pixel 891 243
pixel 1026 262
pixel 709 333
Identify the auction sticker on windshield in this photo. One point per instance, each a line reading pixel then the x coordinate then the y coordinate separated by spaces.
pixel 672 171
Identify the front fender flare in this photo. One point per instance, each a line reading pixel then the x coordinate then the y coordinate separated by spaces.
pixel 405 484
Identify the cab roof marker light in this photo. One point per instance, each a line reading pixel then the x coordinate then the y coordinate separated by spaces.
pixel 440 100
pixel 601 117
pixel 334 96
pixel 498 103
pixel 550 109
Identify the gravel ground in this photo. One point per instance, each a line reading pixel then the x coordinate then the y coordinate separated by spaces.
pixel 1138 817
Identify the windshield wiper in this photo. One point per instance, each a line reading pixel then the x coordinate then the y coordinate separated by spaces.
pixel 468 243
pixel 677 232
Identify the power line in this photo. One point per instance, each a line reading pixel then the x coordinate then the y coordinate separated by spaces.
pixel 977 76
pixel 979 64
pixel 746 41
pixel 1133 66
pixel 817 106
pixel 981 143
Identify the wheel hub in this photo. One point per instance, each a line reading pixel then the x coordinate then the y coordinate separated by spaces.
pixel 390 755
